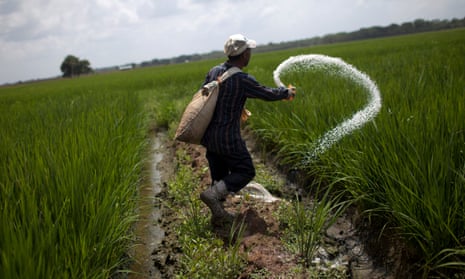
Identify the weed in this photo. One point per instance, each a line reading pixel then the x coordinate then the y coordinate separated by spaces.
pixel 305 222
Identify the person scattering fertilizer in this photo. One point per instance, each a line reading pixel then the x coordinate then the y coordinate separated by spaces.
pixel 231 166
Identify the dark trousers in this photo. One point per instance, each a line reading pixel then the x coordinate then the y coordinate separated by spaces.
pixel 236 170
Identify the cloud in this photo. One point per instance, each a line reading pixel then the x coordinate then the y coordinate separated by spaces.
pixel 36 35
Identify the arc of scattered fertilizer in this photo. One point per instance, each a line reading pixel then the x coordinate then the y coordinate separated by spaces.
pixel 361 117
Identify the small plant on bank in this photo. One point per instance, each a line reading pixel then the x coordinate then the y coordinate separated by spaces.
pixel 306 221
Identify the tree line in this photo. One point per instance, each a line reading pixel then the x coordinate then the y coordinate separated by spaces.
pixel 416 26
pixel 73 66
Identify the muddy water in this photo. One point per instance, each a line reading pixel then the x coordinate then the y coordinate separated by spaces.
pixel 148 231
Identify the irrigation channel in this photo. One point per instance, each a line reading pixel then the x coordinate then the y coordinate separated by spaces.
pixel 149 233
pixel 342 247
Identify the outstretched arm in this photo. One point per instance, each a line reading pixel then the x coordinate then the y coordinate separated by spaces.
pixel 255 90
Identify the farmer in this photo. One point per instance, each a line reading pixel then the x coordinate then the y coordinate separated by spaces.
pixel 230 163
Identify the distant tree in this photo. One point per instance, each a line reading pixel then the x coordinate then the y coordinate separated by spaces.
pixel 84 66
pixel 72 66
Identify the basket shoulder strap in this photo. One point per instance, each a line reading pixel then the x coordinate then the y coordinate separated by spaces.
pixel 231 71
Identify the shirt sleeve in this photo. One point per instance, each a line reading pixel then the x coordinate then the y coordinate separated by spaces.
pixel 255 90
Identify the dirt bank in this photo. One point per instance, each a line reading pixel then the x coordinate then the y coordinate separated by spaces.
pixel 342 249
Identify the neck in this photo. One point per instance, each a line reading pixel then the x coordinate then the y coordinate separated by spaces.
pixel 236 64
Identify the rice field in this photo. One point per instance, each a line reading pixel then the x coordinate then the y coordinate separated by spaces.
pixel 72 151
pixel 408 164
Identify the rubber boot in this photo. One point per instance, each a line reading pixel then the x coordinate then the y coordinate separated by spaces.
pixel 213 184
pixel 213 198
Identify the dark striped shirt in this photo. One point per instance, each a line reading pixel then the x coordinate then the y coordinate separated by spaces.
pixel 223 135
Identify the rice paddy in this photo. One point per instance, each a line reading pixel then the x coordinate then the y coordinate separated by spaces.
pixel 72 150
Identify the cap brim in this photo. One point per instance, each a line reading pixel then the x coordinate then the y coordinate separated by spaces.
pixel 251 44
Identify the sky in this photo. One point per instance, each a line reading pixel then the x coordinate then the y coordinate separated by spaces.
pixel 36 35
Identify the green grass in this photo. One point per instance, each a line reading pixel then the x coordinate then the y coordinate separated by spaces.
pixel 72 153
pixel 72 150
pixel 70 167
pixel 306 222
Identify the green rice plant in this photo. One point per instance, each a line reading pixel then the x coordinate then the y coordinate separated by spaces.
pixel 70 166
pixel 407 165
pixel 410 165
pixel 186 181
pixel 306 222
pixel 72 153
pixel 71 150
pixel 207 258
pixel 326 98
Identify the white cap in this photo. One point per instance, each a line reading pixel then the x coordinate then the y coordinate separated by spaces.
pixel 237 44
